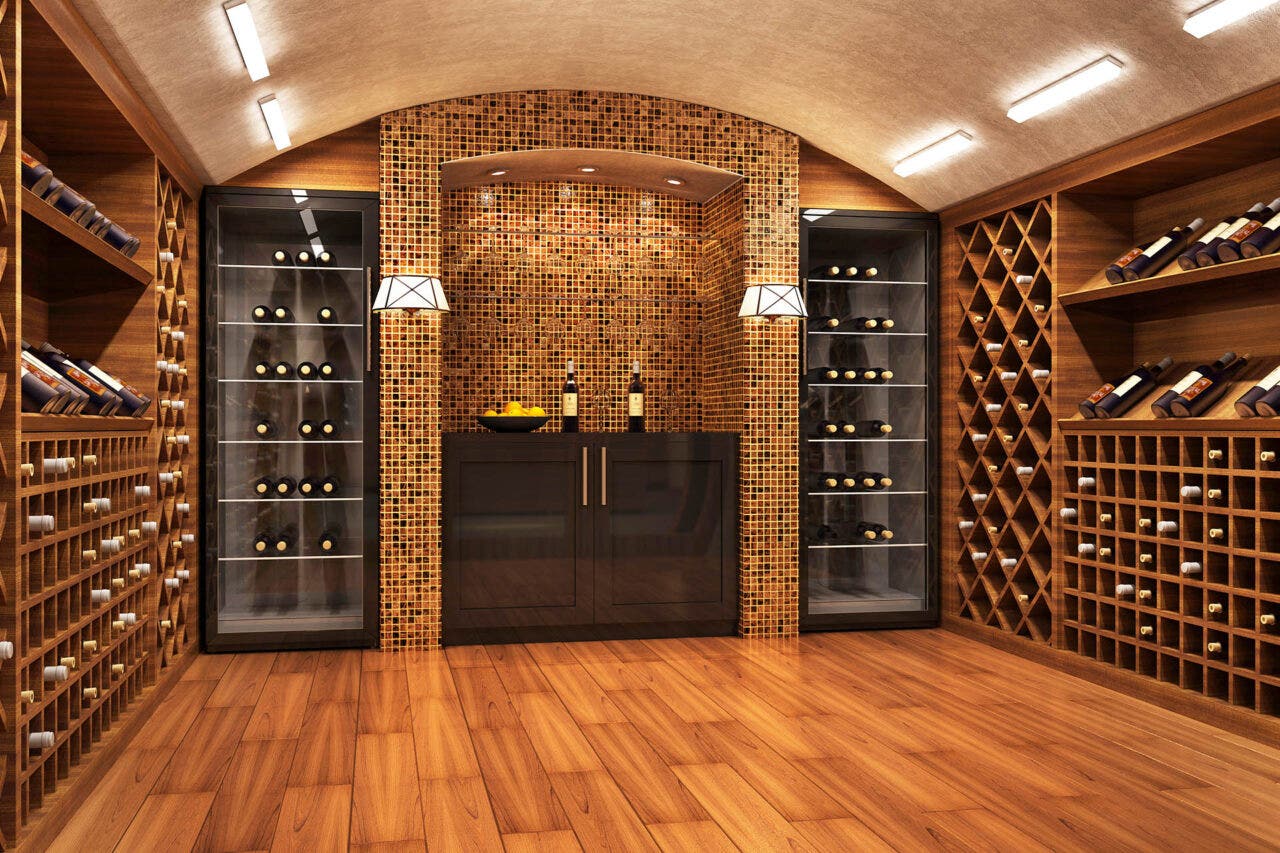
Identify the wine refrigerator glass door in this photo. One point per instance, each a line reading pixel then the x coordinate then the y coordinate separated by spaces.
pixel 292 429
pixel 868 421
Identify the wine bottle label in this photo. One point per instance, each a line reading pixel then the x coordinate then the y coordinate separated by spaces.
pixel 1204 383
pixel 569 405
pixel 1245 231
pixel 1101 392
pixel 635 405
pixel 1271 380
pixel 84 379
pixel 1187 381
pixel 1273 223
pixel 1126 386
pixel 1128 258
pixel 1155 247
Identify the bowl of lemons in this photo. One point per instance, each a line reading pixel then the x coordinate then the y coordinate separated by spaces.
pixel 514 418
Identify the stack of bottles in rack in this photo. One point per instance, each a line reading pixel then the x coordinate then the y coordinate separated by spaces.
pixel 1250 234
pixel 55 383
pixel 39 179
pixel 1191 396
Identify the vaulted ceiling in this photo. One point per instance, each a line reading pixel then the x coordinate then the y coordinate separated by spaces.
pixel 868 80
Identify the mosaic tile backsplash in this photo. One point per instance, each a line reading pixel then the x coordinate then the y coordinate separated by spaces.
pixel 537 273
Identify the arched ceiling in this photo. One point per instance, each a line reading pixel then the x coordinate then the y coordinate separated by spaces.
pixel 867 80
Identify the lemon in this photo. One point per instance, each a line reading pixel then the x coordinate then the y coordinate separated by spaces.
pixel 491 414
pixel 513 408
pixel 537 412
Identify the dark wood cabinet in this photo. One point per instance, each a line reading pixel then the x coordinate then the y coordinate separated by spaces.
pixel 554 536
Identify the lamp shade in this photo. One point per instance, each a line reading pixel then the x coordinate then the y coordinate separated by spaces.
pixel 773 300
pixel 410 293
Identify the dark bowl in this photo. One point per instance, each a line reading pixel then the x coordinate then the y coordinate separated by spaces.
pixel 509 423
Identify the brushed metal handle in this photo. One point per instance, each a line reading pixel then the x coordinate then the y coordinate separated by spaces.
pixel 604 476
pixel 584 476
pixel 368 318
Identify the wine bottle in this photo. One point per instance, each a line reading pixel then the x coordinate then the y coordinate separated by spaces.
pixel 873 532
pixel 635 401
pixel 330 485
pixel 825 533
pixel 307 370
pixel 329 428
pixel 262 314
pixel 1160 407
pixel 325 258
pixel 1246 405
pixel 286 540
pixel 285 486
pixel 1229 249
pixel 865 324
pixel 132 401
pixel 828 429
pixel 850 272
pixel 264 543
pixel 282 314
pixel 828 271
pixel 280 258
pixel 329 539
pixel 303 258
pixel 1196 398
pixel 877 374
pixel 569 400
pixel 825 374
pixel 873 481
pixel 885 323
pixel 308 486
pixel 1115 272
pixel 829 481
pixel 873 428
pixel 36 176
pixel 326 315
pixel 308 428
pixel 40 393
pixel 824 322
pixel 1208 255
pixel 1158 255
pixel 1269 405
pixel 847 428
pixel 1128 391
pixel 263 370
pixel 1264 241
pixel 1187 260
pixel 263 486
pixel 102 400
pixel 871 272
pixel 283 370
pixel 264 427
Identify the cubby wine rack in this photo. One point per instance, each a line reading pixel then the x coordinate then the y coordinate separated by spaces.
pixel 1004 350
pixel 98 537
pixel 1171 557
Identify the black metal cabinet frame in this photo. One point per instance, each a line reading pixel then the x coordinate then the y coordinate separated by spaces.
pixel 367 204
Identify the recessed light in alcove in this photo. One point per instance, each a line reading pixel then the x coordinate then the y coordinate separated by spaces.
pixel 675 182
pixel 497 173
pixel 588 169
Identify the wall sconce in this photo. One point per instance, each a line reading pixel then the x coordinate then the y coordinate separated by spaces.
pixel 411 294
pixel 773 301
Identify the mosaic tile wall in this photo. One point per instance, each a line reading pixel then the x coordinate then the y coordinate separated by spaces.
pixel 414 143
pixel 542 272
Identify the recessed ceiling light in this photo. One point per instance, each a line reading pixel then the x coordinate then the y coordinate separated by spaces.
pixel 497 173
pixel 1073 85
pixel 1215 16
pixel 588 169
pixel 675 182
pixel 945 147
pixel 274 118
pixel 246 38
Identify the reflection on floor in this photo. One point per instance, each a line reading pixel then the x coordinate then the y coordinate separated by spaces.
pixel 862 741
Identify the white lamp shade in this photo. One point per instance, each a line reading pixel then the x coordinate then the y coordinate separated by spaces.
pixel 773 300
pixel 410 293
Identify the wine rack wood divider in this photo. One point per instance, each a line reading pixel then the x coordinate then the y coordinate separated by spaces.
pixel 58 282
pixel 1211 165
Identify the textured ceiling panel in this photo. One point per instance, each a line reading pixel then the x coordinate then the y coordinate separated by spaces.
pixel 867 80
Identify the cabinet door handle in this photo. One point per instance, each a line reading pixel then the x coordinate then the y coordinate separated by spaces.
pixel 584 476
pixel 368 318
pixel 604 476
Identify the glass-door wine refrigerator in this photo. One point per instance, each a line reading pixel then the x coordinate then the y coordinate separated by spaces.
pixel 868 420
pixel 290 388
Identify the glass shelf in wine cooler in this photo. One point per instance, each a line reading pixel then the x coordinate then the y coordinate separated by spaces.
pixel 868 421
pixel 292 412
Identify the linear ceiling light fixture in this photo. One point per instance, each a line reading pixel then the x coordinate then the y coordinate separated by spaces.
pixel 1215 16
pixel 274 117
pixel 947 146
pixel 1072 86
pixel 246 38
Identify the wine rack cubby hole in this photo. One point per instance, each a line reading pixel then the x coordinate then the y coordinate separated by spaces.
pixel 1004 351
pixel 108 589
pixel 1092 332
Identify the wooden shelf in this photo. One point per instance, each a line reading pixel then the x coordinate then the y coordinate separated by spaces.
pixel 1170 426
pixel 1121 298
pixel 44 213
pixel 90 424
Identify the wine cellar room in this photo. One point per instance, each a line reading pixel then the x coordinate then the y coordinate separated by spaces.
pixel 524 444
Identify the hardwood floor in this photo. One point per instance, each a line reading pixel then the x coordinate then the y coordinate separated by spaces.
pixel 901 740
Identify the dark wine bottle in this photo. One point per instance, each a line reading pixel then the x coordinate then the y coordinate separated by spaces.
pixel 1115 272
pixel 325 258
pixel 263 370
pixel 1247 405
pixel 285 487
pixel 72 399
pixel 36 176
pixel 328 540
pixel 877 374
pixel 833 480
pixel 1264 241
pixel 825 533
pixel 40 393
pixel 1269 405
pixel 828 271
pixel 886 324
pixel 326 315
pixel 1229 249
pixel 326 370
pixel 1114 399
pixel 824 321
pixel 264 543
pixel 282 314
pixel 873 532
pixel 1207 383
pixel 846 428
pixel 825 374
pixel 263 486
pixel 102 400
pixel 307 370
pixel 308 487
pixel 849 272
pixel 330 485
pixel 1187 260
pixel 1208 255
pixel 262 314
pixel 1159 254
pixel 569 400
pixel 865 324
pixel 635 400
pixel 280 258
pixel 264 427
pixel 286 539
pixel 283 370
pixel 874 428
pixel 329 428
pixel 308 429
pixel 304 258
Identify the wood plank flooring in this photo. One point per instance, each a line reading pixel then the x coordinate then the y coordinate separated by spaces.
pixel 903 740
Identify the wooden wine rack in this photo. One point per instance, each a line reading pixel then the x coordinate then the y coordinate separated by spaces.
pixel 1005 290
pixel 1167 628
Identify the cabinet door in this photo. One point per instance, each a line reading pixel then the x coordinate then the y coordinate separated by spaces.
pixel 664 528
pixel 517 552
